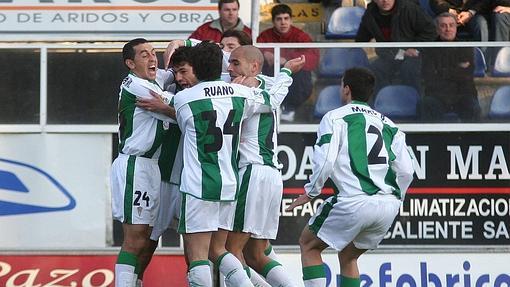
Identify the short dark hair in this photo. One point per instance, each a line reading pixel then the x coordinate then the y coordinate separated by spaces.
pixel 221 2
pixel 280 9
pixel 128 51
pixel 181 56
pixel 242 37
pixel 361 81
pixel 206 61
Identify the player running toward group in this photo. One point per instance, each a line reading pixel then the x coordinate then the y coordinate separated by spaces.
pixel 366 157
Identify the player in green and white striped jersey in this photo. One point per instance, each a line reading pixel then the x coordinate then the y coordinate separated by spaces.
pixel 366 157
pixel 135 176
pixel 210 115
pixel 257 207
pixel 170 161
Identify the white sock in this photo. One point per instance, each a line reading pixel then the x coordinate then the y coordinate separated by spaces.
pixel 257 280
pixel 314 276
pixel 276 276
pixel 233 271
pixel 200 275
pixel 139 283
pixel 317 282
pixel 125 275
pixel 269 252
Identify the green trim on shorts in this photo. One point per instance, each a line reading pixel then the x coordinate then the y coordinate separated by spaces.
pixel 127 258
pixel 198 263
pixel 349 282
pixel 319 220
pixel 128 190
pixel 182 219
pixel 272 264
pixel 268 250
pixel 241 200
pixel 314 272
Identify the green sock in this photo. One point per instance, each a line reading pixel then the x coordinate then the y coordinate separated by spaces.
pixel 349 282
pixel 313 272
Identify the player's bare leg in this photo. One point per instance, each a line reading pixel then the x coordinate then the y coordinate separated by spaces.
pixel 348 259
pixel 136 239
pixel 313 270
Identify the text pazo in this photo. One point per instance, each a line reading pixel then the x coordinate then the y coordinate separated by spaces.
pixel 461 166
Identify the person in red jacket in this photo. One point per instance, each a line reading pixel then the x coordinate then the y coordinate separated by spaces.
pixel 229 20
pixel 284 32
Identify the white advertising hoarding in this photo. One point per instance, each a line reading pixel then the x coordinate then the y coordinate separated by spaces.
pixel 54 190
pixel 416 270
pixel 100 19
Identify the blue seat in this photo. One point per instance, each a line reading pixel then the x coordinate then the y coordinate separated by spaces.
pixel 329 99
pixel 335 61
pixel 480 64
pixel 500 103
pixel 344 23
pixel 397 102
pixel 502 63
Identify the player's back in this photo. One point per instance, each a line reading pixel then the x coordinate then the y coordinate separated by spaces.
pixel 210 115
pixel 365 155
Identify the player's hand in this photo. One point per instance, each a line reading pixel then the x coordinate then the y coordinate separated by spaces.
pixel 170 49
pixel 154 104
pixel 296 64
pixel 302 199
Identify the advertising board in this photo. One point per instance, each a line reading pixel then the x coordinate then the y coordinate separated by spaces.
pixel 460 195
pixel 54 190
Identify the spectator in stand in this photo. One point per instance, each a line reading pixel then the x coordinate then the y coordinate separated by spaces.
pixel 471 16
pixel 396 21
pixel 284 32
pixel 229 20
pixel 232 39
pixel 448 75
pixel 501 20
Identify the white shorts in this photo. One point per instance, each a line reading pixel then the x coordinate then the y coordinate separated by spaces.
pixel 258 202
pixel 361 219
pixel 135 185
pixel 198 215
pixel 169 208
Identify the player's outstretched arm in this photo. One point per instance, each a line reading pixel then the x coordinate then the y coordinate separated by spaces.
pixel 156 104
pixel 296 64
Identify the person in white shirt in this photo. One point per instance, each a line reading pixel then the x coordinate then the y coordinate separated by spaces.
pixel 135 175
pixel 366 157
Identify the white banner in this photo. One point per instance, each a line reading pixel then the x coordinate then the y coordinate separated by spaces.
pixel 54 190
pixel 416 270
pixel 105 16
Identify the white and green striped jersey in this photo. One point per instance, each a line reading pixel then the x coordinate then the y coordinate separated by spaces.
pixel 210 115
pixel 170 160
pixel 259 133
pixel 140 131
pixel 362 151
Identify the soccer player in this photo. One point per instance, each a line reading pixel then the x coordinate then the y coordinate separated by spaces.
pixel 258 204
pixel 366 157
pixel 210 115
pixel 170 161
pixel 135 175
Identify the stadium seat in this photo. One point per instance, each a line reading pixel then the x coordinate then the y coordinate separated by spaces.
pixel 335 61
pixel 480 64
pixel 425 5
pixel 329 99
pixel 500 103
pixel 398 102
pixel 344 23
pixel 502 63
